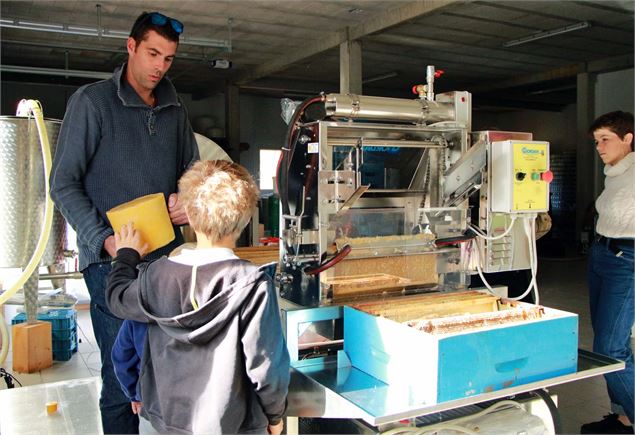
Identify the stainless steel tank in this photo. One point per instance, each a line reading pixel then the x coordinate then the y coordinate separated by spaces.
pixel 22 193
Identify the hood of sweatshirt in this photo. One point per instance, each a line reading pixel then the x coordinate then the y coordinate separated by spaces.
pixel 221 289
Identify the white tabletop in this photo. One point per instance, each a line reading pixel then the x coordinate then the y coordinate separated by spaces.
pixel 24 409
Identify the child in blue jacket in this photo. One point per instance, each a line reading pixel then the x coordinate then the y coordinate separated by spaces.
pixel 126 359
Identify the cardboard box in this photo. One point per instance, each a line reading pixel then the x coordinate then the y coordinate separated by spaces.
pixel 32 346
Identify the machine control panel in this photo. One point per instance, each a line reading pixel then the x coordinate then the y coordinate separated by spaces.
pixel 520 176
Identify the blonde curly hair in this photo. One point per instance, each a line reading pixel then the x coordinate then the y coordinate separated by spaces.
pixel 219 198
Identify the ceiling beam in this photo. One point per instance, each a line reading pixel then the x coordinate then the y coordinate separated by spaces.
pixel 480 51
pixel 597 66
pixel 610 64
pixel 379 22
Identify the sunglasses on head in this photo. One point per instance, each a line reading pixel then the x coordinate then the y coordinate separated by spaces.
pixel 158 19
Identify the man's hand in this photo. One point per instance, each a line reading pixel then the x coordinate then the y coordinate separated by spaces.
pixel 136 407
pixel 176 210
pixel 109 246
pixel 276 429
pixel 128 237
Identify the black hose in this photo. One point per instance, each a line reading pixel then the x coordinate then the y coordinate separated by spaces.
pixel 282 172
pixel 553 409
pixel 339 256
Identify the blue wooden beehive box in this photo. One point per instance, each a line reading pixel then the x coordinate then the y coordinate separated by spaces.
pixel 432 368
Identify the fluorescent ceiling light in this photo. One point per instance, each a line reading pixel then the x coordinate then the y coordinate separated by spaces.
pixel 547 34
pixel 55 72
pixel 107 33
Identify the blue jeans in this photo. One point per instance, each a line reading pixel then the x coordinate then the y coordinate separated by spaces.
pixel 116 412
pixel 611 301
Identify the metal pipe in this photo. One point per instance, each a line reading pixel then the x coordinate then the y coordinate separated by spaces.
pixel 230 22
pixel 99 28
pixel 387 143
pixel 65 275
pixel 388 109
pixel 430 83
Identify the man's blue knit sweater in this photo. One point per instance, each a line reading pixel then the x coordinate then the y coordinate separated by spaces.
pixel 112 148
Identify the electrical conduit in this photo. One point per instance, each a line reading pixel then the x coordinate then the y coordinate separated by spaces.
pixel 529 225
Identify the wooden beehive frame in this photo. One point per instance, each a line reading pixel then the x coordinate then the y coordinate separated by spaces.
pixel 429 306
pixel 258 255
pixel 440 313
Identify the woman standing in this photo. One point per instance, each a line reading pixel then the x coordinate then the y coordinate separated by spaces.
pixel 611 267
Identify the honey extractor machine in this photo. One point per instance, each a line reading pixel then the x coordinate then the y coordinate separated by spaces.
pixel 388 208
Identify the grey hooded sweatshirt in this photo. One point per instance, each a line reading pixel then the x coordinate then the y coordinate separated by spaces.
pixel 223 368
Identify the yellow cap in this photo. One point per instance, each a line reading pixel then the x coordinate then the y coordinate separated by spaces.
pixel 150 217
pixel 51 407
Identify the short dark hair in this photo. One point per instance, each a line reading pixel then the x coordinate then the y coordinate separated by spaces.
pixel 143 24
pixel 618 122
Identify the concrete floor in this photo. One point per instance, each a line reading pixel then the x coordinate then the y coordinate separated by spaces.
pixel 562 285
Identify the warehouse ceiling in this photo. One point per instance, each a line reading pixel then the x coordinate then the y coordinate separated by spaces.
pixel 508 53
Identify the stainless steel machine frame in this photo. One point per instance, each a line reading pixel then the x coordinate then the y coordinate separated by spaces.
pixel 337 187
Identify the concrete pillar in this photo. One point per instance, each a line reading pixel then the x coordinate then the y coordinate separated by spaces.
pixel 586 163
pixel 351 67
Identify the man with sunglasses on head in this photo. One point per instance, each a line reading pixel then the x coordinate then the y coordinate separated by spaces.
pixel 121 139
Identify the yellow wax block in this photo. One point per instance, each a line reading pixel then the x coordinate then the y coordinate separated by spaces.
pixel 51 407
pixel 150 217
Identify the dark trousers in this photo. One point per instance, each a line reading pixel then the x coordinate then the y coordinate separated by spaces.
pixel 611 276
pixel 116 411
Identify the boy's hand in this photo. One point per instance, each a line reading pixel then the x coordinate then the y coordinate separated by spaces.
pixel 128 237
pixel 136 407
pixel 276 429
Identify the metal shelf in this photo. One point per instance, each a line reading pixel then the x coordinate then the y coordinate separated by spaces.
pixel 315 392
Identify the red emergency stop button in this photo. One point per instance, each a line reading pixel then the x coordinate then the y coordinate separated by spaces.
pixel 547 176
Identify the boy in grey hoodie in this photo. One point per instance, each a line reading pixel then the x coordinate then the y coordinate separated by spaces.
pixel 215 360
